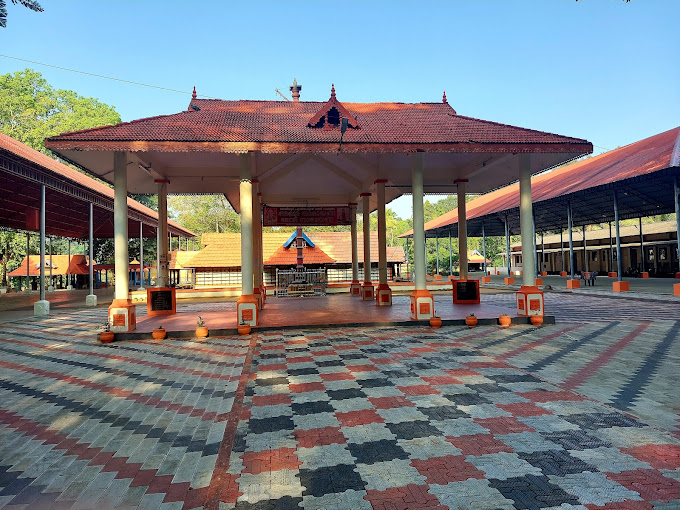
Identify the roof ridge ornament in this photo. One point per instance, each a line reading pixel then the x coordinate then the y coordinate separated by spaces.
pixel 444 98
pixel 193 95
pixel 330 115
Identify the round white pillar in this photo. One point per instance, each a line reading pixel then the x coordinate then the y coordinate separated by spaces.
pixel 367 286
pixel 383 294
pixel 355 285
pixel 421 300
pixel 526 221
pixel 462 229
pixel 162 244
pixel 246 307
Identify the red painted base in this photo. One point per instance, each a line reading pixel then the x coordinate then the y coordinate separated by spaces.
pixel 122 316
pixel 422 305
pixel 355 288
pixel 246 310
pixel 367 291
pixel 383 295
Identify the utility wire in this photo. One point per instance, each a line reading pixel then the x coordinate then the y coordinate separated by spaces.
pixel 104 77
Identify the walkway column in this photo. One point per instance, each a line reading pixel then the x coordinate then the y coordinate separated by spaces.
pixel 28 262
pixel 122 311
pixel 642 247
pixel 68 271
pixel 50 286
pixel 42 307
pixel 611 249
pixel 529 298
pixel 618 285
pixel 260 250
pixel 484 247
pixel 91 299
pixel 257 255
pixel 141 256
pixel 585 251
pixel 450 256
pixel 526 219
pixel 162 232
pixel 383 293
pixel 507 246
pixel 570 228
pixel 562 250
pixel 436 248
pixel 462 229
pixel 355 286
pixel 367 286
pixel 422 301
pixel 533 238
pixel 677 218
pixel 246 306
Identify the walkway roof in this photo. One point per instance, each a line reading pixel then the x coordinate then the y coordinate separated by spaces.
pixel 297 157
pixel 642 173
pixel 67 194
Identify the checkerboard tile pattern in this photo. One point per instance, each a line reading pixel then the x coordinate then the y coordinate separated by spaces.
pixel 402 418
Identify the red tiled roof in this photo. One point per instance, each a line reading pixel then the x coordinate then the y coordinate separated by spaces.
pixel 288 257
pixel 224 250
pixel 60 265
pixel 639 158
pixel 287 122
pixel 31 155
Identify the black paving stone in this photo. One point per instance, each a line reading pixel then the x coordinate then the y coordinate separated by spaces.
pixel 318 406
pixel 260 425
pixel 302 371
pixel 284 503
pixel 595 421
pixel 375 382
pixel 345 394
pixel 443 412
pixel 466 399
pixel 377 451
pixel 532 492
pixel 332 479
pixel 413 429
pixel 575 440
pixel 271 381
pixel 556 462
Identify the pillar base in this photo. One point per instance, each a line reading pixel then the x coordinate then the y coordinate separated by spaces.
pixel 422 305
pixel 644 274
pixel 246 310
pixel 529 301
pixel 122 316
pixel 69 287
pixel 676 289
pixel 486 279
pixel 621 286
pixel 50 288
pixel 383 295
pixel 509 280
pixel 41 308
pixel 544 273
pixel 263 294
pixel 677 276
pixel 574 284
pixel 539 281
pixel 141 289
pixel 91 300
pixel 28 290
pixel 563 273
pixel 355 288
pixel 367 291
pixel 612 274
pixel 258 296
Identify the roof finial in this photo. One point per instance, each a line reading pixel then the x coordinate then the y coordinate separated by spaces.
pixel 295 90
pixel 444 98
pixel 332 90
pixel 193 96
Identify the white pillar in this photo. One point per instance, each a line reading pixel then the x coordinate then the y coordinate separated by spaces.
pixel 162 232
pixel 484 247
pixel 436 249
pixel 421 300
pixel 246 307
pixel 507 246
pixel 676 189
pixel 450 256
pixel 50 286
pixel 585 251
pixel 355 285
pixel 28 262
pixel 642 246
pixel 42 307
pixel 526 221
pixel 141 256
pixel 91 298
pixel 257 256
pixel 367 290
pixel 462 229
pixel 121 311
pixel 383 294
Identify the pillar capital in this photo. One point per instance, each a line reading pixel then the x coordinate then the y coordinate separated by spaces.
pixel 162 181
pixel 456 181
pixel 380 181
pixel 365 195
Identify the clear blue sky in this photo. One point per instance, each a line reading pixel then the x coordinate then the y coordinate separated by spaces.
pixel 604 70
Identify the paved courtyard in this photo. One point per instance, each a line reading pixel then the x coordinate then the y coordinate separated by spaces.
pixel 583 414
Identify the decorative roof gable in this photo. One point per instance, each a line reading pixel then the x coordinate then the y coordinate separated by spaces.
pixel 294 236
pixel 331 114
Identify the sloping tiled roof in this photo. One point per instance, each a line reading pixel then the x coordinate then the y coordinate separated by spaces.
pixel 31 155
pixel 640 158
pixel 60 265
pixel 288 257
pixel 287 122
pixel 179 258
pixel 224 250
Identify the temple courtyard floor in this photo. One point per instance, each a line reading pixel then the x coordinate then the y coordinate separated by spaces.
pixel 582 414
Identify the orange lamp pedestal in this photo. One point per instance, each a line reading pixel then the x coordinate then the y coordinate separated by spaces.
pixel 383 295
pixel 612 274
pixel 574 284
pixel 563 273
pixel 676 289
pixel 621 286
pixel 529 301
pixel 509 280
pixel 486 279
pixel 644 275
pixel 544 273
pixel 246 310
pixel 367 291
pixel 539 281
pixel 122 316
pixel 355 288
pixel 422 305
pixel 586 274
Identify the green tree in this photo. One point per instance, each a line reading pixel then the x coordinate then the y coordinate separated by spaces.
pixel 32 110
pixel 30 4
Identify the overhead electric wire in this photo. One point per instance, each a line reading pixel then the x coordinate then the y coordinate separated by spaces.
pixel 104 77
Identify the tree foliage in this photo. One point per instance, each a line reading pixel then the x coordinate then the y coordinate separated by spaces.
pixel 30 4
pixel 32 110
